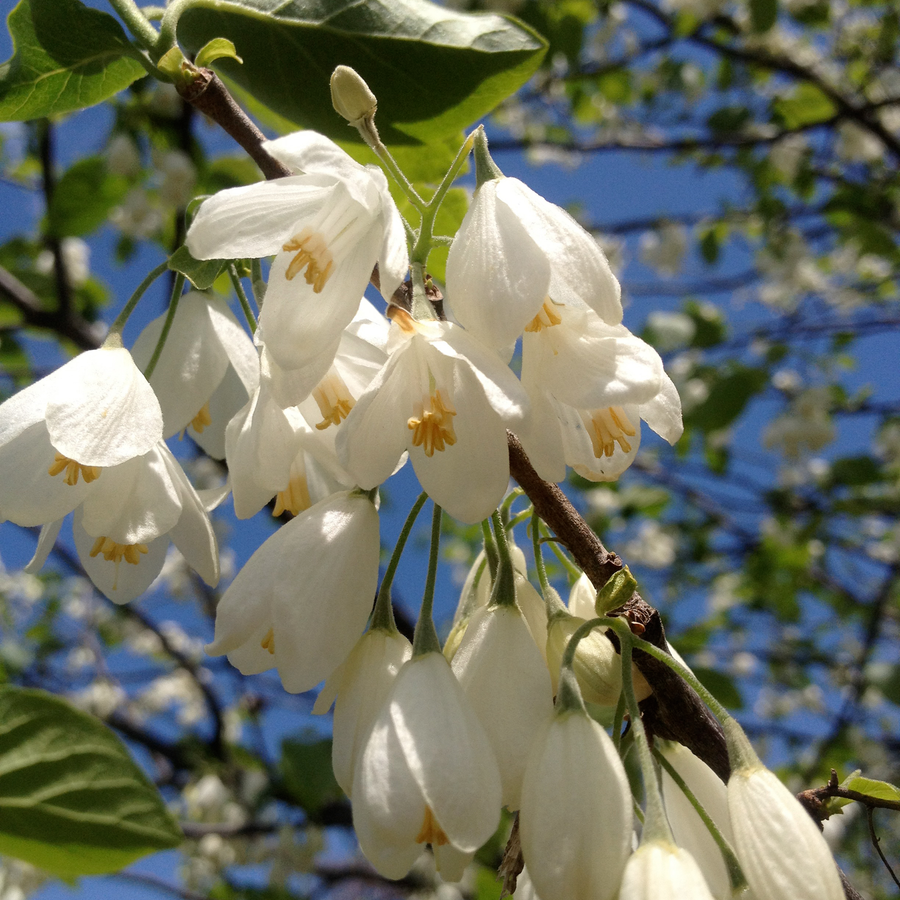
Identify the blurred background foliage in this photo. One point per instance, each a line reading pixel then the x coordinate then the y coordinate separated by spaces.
pixel 738 159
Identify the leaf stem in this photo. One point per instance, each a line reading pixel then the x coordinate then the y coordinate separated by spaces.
pixel 177 287
pixel 242 297
pixel 425 639
pixel 137 22
pixel 120 320
pixel 383 615
pixel 169 24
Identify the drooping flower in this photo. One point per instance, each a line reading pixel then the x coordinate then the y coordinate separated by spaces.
pixel 206 371
pixel 58 436
pixel 590 384
pixel 123 527
pixel 446 401
pixel 359 688
pixel 330 225
pixel 781 850
pixel 658 870
pixel 506 680
pixel 575 822
pixel 512 251
pixel 427 775
pixel 303 598
pixel 687 826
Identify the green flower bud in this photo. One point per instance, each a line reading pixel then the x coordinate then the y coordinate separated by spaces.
pixel 351 96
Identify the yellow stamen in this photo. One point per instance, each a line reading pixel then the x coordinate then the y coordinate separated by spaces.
pixel 73 469
pixel 404 320
pixel 334 400
pixel 295 497
pixel 433 428
pixel 268 642
pixel 431 832
pixel 313 255
pixel 608 427
pixel 202 419
pixel 546 318
pixel 115 552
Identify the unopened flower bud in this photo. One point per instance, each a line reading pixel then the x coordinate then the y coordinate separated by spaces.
pixel 598 667
pixel 351 96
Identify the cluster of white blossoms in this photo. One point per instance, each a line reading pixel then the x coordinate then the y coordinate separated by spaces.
pixel 322 404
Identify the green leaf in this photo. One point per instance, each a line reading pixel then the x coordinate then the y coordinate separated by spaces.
pixel 217 48
pixel 727 398
pixel 72 800
pixel 83 198
pixel 763 14
pixel 721 686
pixel 201 273
pixel 806 105
pixel 879 790
pixel 65 57
pixel 855 470
pixel 308 774
pixel 434 70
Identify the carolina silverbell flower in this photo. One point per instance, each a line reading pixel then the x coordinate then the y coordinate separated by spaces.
pixel 504 676
pixel 512 251
pixel 447 401
pixel 687 826
pixel 574 775
pixel 331 224
pixel 590 384
pixel 783 854
pixel 658 870
pixel 302 600
pixel 427 775
pixel 206 371
pixel 123 527
pixel 59 435
pixel 359 688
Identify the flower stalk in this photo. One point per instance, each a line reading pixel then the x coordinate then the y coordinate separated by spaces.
pixel 425 639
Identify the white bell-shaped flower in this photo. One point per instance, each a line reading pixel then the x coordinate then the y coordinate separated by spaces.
pixel 575 821
pixel 302 600
pixel 590 385
pixel 123 528
pixel 781 850
pixel 504 676
pixel 687 826
pixel 658 870
pixel 513 250
pixel 427 775
pixel 58 436
pixel 207 369
pixel 331 225
pixel 359 688
pixel 446 401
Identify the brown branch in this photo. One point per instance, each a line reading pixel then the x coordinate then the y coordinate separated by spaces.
pixel 675 711
pixel 208 94
pixel 73 327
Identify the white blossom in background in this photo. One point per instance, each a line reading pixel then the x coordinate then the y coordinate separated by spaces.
pixel 76 256
pixel 513 250
pixel 805 428
pixel 60 435
pixel 302 600
pixel 671 330
pixel 665 248
pixel 123 157
pixel 331 224
pixel 427 775
pixel 137 216
pixel 177 177
pixel 653 546
pixel 445 400
pixel 787 154
pixel 206 372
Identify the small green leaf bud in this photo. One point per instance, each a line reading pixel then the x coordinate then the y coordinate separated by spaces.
pixel 351 96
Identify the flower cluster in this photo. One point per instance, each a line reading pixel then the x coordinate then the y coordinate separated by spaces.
pixel 324 402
